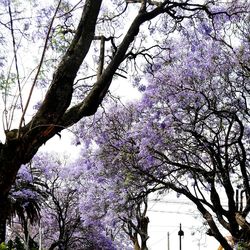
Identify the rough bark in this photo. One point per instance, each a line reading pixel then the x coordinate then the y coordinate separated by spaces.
pixel 4 209
pixel 144 232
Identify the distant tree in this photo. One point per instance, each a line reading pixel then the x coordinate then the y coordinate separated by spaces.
pixel 112 197
pixel 137 228
pixel 71 216
pixel 116 184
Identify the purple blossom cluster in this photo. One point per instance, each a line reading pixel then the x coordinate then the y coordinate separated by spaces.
pixel 82 204
pixel 190 130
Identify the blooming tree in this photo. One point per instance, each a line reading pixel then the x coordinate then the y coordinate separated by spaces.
pixel 85 213
pixel 113 196
pixel 190 132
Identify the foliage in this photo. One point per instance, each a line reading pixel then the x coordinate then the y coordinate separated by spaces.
pixel 17 244
pixel 2 246
pixel 242 246
pixel 112 211
pixel 13 245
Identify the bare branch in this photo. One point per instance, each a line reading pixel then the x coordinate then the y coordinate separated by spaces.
pixel 39 68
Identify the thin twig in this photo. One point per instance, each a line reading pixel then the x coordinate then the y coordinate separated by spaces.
pixel 15 55
pixel 39 66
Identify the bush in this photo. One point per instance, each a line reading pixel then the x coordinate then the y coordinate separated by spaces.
pixel 3 246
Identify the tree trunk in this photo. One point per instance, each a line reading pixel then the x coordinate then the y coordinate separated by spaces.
pixel 134 239
pixel 4 214
pixel 144 232
pixel 144 245
pixel 136 245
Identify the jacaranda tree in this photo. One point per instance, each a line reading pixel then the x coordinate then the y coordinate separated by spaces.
pixel 190 131
pixel 84 206
pixel 51 46
pixel 113 195
pixel 64 223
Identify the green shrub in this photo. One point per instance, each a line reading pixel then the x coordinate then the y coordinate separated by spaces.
pixel 3 246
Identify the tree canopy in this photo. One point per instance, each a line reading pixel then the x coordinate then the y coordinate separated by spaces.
pixel 189 133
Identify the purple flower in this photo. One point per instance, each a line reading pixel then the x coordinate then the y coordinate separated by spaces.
pixel 207 30
pixel 142 88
